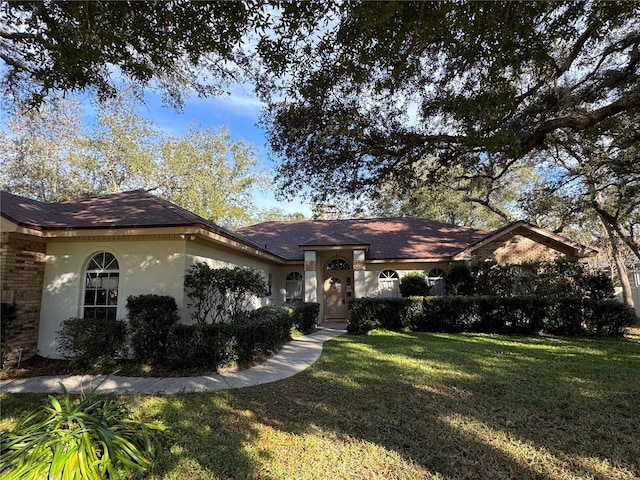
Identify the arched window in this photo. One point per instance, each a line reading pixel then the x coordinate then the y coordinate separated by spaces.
pixel 338 264
pixel 101 287
pixel 293 287
pixel 435 279
pixel 388 284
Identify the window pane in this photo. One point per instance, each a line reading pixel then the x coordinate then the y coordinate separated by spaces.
pixel 113 297
pixel 112 281
pixel 90 297
pixel 90 281
pixel 101 297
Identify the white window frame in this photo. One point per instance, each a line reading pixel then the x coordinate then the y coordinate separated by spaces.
pixel 101 285
pixel 294 287
pixel 389 284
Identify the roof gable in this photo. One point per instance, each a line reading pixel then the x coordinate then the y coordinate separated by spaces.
pixel 554 240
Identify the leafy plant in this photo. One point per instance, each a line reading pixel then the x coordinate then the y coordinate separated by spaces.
pixel 90 341
pixel 305 315
pixel 91 438
pixel 150 320
pixel 222 294
pixel 414 285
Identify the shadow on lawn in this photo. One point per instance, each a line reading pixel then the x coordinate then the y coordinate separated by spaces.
pixel 457 406
pixel 470 406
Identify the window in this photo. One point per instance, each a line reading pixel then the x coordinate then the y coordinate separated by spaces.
pixel 293 287
pixel 101 287
pixel 435 279
pixel 388 284
pixel 338 264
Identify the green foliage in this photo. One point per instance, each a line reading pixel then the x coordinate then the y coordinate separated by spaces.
pixel 459 279
pixel 493 314
pixel 87 439
pixel 263 332
pixel 150 320
pixel 553 279
pixel 305 315
pixel 51 155
pixel 201 346
pixel 221 294
pixel 92 341
pixel 524 314
pixel 488 77
pixel 366 314
pixel 414 285
pixel 179 46
pixel 8 315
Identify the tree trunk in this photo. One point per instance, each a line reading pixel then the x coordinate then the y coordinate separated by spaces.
pixel 621 268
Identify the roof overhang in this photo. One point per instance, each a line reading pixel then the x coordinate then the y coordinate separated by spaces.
pixel 179 233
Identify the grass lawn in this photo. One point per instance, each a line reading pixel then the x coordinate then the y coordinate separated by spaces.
pixel 413 405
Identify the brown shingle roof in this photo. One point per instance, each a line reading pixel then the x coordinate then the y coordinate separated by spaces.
pixel 404 238
pixel 119 210
pixel 388 238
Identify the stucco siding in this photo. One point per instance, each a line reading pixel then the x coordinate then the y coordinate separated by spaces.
pixel 373 271
pixel 222 257
pixel 145 267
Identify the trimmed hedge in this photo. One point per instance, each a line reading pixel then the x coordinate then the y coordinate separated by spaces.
pixel 304 315
pixel 492 314
pixel 92 341
pixel 368 313
pixel 200 346
pixel 264 331
pixel 150 320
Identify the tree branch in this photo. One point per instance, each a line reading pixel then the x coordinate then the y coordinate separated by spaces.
pixel 579 122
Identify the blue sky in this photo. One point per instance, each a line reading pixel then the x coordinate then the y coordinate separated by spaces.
pixel 239 113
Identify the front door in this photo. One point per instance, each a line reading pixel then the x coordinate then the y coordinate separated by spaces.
pixel 335 297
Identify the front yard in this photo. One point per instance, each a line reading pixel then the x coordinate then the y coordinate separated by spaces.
pixel 414 405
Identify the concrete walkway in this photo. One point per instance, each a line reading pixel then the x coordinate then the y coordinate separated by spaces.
pixel 294 357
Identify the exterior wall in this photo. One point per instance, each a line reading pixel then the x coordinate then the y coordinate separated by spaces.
pixel 22 267
pixel 223 257
pixel 520 246
pixel 146 266
pixel 374 269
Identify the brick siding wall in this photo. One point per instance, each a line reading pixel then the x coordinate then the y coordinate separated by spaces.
pixel 22 263
pixel 516 247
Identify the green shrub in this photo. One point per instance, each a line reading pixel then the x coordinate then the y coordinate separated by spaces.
pixel 459 280
pixel 201 346
pixel 219 295
pixel 263 332
pixel 368 313
pixel 414 285
pixel 305 315
pixel 599 286
pixel 150 320
pixel 87 439
pixel 491 279
pixel 491 314
pixel 92 341
pixel 607 318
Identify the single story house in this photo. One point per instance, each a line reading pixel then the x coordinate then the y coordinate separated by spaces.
pixel 83 258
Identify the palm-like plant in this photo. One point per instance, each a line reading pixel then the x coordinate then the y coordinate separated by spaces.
pixel 94 438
